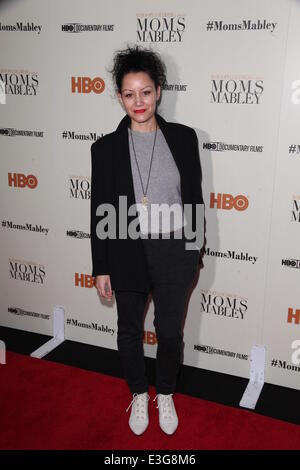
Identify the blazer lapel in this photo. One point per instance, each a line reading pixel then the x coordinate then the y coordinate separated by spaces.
pixel 123 173
pixel 172 140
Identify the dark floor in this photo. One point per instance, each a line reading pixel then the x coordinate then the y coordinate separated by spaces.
pixel 277 402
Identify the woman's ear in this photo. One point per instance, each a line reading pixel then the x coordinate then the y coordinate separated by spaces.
pixel 158 90
pixel 120 99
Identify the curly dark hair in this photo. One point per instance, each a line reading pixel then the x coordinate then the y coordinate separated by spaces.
pixel 138 59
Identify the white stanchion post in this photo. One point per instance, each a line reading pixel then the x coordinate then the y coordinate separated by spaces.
pixel 2 352
pixel 58 334
pixel 257 377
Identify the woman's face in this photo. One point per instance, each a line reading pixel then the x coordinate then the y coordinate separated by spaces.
pixel 139 96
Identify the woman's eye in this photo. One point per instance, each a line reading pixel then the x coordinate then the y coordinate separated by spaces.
pixel 129 95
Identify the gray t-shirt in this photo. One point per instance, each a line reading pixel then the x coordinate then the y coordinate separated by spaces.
pixel 164 183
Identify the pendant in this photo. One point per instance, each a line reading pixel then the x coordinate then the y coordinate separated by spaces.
pixel 144 202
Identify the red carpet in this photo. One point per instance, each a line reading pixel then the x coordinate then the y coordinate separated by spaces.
pixel 45 405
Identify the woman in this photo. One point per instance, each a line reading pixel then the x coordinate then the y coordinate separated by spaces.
pixel 146 161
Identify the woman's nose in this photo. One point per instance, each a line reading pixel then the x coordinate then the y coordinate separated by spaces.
pixel 138 99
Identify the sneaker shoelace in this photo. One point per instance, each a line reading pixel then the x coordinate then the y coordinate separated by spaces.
pixel 164 403
pixel 139 404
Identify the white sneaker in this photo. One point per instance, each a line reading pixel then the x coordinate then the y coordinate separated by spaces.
pixel 168 419
pixel 139 418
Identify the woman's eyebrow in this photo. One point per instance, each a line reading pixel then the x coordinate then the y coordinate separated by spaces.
pixel 128 89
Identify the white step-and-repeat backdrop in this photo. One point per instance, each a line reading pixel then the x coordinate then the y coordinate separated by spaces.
pixel 234 75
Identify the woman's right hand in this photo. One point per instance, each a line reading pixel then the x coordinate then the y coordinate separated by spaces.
pixel 103 286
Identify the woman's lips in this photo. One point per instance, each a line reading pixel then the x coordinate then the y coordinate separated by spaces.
pixel 139 111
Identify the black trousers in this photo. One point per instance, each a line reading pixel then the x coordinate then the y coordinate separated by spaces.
pixel 172 269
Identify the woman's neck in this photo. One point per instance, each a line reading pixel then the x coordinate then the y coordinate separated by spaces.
pixel 144 126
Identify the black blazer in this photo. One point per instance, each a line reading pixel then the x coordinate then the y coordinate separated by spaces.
pixel 124 259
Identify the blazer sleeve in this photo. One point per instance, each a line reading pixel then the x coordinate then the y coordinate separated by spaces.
pixel 196 175
pixel 98 195
pixel 196 170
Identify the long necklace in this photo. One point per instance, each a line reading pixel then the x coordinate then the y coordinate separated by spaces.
pixel 145 199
